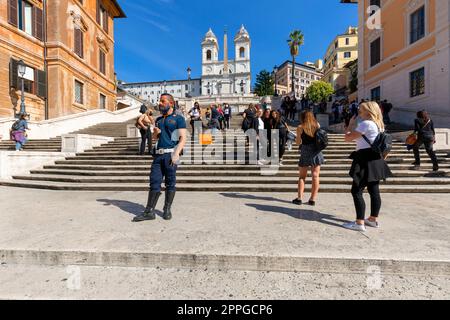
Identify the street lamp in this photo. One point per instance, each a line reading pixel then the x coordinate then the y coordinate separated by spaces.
pixel 189 70
pixel 22 69
pixel 275 71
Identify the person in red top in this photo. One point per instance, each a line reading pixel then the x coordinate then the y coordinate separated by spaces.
pixel 221 118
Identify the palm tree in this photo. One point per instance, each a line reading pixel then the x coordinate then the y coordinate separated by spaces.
pixel 296 39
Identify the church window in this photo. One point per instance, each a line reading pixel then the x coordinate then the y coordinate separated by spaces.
pixel 242 52
pixel 208 55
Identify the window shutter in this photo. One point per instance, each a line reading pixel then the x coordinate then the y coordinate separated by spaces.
pixel 13 76
pixel 105 21
pixel 102 62
pixel 41 84
pixel 98 11
pixel 78 39
pixel 38 25
pixel 81 44
pixel 13 12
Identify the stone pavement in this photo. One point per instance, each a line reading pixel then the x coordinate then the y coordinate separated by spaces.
pixel 220 246
pixel 57 282
pixel 262 232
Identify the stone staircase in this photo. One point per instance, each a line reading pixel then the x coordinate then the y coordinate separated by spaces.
pixel 50 145
pixel 113 130
pixel 117 167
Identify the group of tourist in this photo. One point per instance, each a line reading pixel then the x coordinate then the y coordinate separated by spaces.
pixel 217 117
pixel 369 165
pixel 289 108
pixel 259 119
pixel 343 110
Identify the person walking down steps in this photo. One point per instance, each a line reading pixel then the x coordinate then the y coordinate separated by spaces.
pixel 426 136
pixel 171 131
pixel 18 131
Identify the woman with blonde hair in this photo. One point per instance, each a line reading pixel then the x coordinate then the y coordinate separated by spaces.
pixel 311 157
pixel 369 167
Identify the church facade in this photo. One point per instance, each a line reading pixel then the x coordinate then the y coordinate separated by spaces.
pixel 226 77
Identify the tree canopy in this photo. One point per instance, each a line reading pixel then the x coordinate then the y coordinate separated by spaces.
pixel 264 85
pixel 319 91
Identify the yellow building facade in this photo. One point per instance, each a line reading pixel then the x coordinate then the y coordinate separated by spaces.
pixel 405 56
pixel 68 47
pixel 341 51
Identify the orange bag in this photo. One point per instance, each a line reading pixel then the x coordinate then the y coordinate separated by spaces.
pixel 205 139
pixel 411 140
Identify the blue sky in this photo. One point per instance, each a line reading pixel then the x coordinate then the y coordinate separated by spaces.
pixel 159 39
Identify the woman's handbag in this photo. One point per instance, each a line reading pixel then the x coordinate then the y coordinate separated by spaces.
pixel 291 136
pixel 411 140
pixel 205 139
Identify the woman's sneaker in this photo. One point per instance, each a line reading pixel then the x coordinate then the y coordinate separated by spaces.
pixel 297 202
pixel 354 226
pixel 372 224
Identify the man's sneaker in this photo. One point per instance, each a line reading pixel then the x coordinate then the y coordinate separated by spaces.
pixel 372 224
pixel 354 226
pixel 435 168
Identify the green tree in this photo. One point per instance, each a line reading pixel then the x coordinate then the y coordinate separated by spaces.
pixel 264 85
pixel 296 39
pixel 319 91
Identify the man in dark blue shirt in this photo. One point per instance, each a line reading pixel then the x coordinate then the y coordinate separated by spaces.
pixel 171 130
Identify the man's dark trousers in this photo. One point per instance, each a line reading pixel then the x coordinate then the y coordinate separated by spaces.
pixel 162 168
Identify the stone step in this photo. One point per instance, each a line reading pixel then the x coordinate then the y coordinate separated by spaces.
pixel 291 188
pixel 198 155
pixel 145 167
pixel 286 162
pixel 288 153
pixel 229 180
pixel 219 173
pixel 106 262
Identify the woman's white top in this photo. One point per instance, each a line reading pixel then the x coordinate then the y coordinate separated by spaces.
pixel 370 130
pixel 195 113
pixel 261 124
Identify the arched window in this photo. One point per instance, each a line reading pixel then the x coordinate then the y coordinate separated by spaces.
pixel 242 52
pixel 208 55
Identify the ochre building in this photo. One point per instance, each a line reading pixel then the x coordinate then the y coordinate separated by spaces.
pixel 68 47
pixel 404 56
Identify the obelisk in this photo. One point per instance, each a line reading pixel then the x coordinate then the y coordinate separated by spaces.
pixel 225 53
pixel 225 84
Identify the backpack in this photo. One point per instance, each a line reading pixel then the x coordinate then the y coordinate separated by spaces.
pixel 246 125
pixel 321 139
pixel 137 123
pixel 16 125
pixel 382 144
